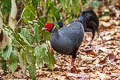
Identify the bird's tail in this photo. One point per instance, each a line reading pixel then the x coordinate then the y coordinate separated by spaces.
pixel 90 21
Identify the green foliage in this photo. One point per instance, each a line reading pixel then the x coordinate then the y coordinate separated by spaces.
pixel 31 11
pixel 32 71
pixel 7 52
pixel 35 3
pixel 22 60
pixel 6 6
pixel 25 32
pixel 37 32
pixel 76 8
pixel 43 56
pixel 13 61
pixel 3 64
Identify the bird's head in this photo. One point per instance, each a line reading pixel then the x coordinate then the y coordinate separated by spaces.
pixel 48 27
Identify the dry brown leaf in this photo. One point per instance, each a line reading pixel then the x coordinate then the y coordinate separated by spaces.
pixel 111 56
pixel 5 41
pixel 91 53
pixel 103 61
pixel 13 13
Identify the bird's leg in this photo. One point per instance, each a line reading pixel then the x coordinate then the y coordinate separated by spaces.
pixel 93 35
pixel 73 69
pixel 73 61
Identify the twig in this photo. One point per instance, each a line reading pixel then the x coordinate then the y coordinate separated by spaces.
pixel 21 16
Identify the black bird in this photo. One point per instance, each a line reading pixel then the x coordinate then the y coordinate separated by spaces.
pixel 89 20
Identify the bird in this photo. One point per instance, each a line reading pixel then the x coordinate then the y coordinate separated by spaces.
pixel 88 15
pixel 90 22
pixel 67 39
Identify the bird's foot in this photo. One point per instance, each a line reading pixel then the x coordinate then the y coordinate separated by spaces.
pixel 74 70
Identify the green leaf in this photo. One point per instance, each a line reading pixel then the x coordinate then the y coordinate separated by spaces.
pixel 63 3
pixel 23 40
pixel 67 3
pixel 36 32
pixel 55 13
pixel 7 52
pixel 25 32
pixel 44 47
pixel 30 13
pixel 30 22
pixel 42 22
pixel 31 63
pixel 3 64
pixel 76 8
pixel 43 56
pixel 35 3
pixel 13 62
pixel 41 53
pixel 32 71
pixel 22 60
pixel 39 56
pixel 51 61
pixel 6 6
pixel 30 56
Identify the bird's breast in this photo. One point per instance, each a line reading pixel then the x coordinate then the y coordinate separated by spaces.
pixel 62 45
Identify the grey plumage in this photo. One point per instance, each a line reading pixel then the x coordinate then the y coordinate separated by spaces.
pixel 67 39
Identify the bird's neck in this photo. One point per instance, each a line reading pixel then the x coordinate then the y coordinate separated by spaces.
pixel 83 21
pixel 55 32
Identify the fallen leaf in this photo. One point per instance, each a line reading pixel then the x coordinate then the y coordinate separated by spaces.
pixel 103 61
pixel 91 53
pixel 111 56
pixel 103 76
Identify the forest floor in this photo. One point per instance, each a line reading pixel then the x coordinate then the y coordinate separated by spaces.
pixel 101 63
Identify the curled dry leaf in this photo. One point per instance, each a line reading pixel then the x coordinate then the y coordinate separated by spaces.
pixel 103 61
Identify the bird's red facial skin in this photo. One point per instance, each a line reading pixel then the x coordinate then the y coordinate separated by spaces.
pixel 49 26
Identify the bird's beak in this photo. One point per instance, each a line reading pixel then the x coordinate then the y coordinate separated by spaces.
pixel 44 29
